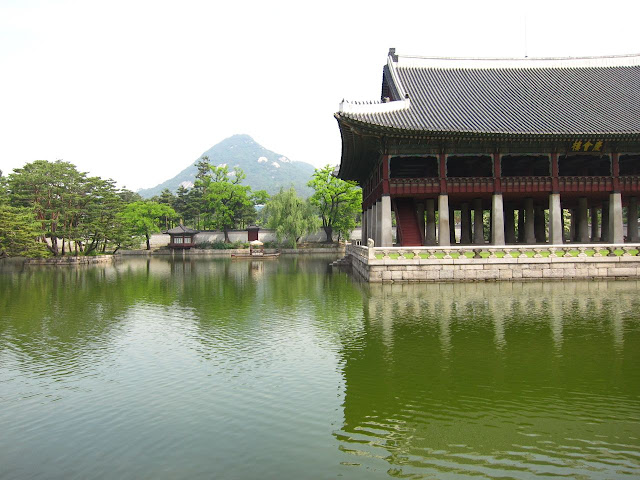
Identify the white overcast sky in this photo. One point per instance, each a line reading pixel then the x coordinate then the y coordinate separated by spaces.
pixel 137 90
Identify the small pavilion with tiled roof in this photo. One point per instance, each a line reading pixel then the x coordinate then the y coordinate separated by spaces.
pixel 181 237
pixel 463 136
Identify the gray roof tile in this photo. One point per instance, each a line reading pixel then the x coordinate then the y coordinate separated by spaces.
pixel 534 100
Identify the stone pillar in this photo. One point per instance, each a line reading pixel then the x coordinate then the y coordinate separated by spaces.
pixel 555 220
pixel 465 224
pixel 374 224
pixel 604 225
pixel 521 225
pixel 615 218
pixel 386 233
pixel 420 213
pixel 632 220
pixel 539 224
pixel 582 227
pixel 529 233
pixel 430 237
pixel 377 234
pixel 452 225
pixel 367 225
pixel 509 225
pixel 363 228
pixel 595 231
pixel 444 237
pixel 497 220
pixel 478 227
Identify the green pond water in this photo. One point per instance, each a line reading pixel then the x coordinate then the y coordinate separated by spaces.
pixel 285 369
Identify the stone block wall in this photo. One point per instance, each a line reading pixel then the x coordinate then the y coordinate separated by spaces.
pixel 494 269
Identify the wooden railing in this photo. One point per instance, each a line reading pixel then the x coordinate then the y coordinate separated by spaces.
pixel 406 186
pixel 526 184
pixel 629 183
pixel 470 184
pixel 182 245
pixel 585 184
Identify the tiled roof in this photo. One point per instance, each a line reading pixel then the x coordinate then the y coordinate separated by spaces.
pixel 181 229
pixel 588 96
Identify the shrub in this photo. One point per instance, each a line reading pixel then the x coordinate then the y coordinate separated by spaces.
pixel 218 245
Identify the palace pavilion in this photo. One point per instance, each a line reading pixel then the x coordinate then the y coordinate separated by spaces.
pixel 519 138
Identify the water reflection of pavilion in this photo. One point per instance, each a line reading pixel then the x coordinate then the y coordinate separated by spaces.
pixel 483 378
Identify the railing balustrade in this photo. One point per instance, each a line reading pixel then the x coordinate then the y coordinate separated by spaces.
pixel 491 252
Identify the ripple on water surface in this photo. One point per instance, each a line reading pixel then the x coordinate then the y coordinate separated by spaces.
pixel 164 369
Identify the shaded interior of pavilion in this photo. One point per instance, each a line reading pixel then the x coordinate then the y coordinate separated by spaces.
pixel 591 211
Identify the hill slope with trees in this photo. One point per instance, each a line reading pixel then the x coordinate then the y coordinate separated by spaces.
pixel 264 169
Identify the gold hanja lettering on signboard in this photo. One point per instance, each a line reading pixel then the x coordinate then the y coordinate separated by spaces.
pixel 586 146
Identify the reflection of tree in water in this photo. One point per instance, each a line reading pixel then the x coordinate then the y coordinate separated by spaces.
pixel 64 312
pixel 481 378
pixel 263 303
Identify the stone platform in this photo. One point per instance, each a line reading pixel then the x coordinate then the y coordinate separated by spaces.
pixel 492 263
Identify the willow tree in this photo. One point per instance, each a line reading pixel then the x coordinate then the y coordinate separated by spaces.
pixel 290 216
pixel 338 202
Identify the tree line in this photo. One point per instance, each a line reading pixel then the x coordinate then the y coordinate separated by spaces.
pixel 52 209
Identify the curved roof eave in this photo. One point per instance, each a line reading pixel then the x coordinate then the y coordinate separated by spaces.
pixel 468 134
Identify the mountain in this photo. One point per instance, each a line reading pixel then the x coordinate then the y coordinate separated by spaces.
pixel 265 170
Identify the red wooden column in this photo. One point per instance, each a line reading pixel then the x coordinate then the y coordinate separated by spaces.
pixel 443 173
pixel 615 171
pixel 385 175
pixel 497 174
pixel 555 184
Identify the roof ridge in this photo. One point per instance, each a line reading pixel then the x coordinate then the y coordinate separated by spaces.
pixel 626 60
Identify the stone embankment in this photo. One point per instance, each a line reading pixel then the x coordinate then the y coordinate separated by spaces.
pixel 69 260
pixel 491 263
pixel 201 252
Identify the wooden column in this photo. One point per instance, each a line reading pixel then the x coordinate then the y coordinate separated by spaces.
pixel 442 165
pixel 555 169
pixel 385 174
pixel 497 174
pixel 615 172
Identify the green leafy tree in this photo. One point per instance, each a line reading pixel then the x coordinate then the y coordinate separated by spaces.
pixel 229 203
pixel 19 233
pixel 181 203
pixel 128 196
pixel 338 202
pixel 52 190
pixel 4 193
pixel 290 216
pixel 197 201
pixel 143 218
